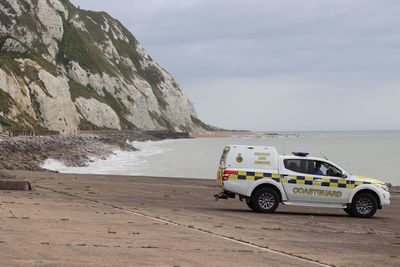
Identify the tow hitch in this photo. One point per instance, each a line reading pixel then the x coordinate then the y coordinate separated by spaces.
pixel 224 195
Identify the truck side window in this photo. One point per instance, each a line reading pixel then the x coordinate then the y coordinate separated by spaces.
pixel 300 165
pixel 222 162
pixel 313 167
pixel 326 169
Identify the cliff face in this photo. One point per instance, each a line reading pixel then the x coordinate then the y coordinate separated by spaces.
pixel 64 69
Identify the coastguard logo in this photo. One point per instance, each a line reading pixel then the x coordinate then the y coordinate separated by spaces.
pixel 317 192
pixel 239 158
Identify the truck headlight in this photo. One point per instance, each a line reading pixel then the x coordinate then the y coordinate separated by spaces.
pixel 384 187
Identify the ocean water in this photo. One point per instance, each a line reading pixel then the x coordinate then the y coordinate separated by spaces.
pixel 373 154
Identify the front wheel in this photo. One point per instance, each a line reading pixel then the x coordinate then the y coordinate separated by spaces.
pixel 264 200
pixel 364 205
pixel 348 211
pixel 250 203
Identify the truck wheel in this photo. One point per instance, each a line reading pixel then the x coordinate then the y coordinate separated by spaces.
pixel 348 211
pixel 364 205
pixel 249 203
pixel 265 200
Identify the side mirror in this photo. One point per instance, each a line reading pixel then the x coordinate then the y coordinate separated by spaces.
pixel 344 175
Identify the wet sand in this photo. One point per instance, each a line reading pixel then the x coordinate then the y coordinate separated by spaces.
pixel 95 220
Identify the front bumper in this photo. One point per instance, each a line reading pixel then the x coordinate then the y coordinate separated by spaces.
pixel 385 200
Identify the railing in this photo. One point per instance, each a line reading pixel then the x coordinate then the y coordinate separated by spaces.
pixel 3 135
pixel 13 133
pixel 108 131
pixel 159 134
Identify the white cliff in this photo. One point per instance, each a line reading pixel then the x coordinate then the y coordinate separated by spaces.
pixel 60 65
pixel 100 114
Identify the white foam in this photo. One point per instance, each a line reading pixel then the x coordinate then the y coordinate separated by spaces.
pixel 120 162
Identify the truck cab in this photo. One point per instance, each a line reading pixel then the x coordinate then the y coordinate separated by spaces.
pixel 265 179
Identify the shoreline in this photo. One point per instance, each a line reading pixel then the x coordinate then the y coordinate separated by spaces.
pixel 108 220
pixel 223 134
pixel 29 152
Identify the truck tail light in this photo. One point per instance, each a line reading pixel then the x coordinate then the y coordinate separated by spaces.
pixel 226 174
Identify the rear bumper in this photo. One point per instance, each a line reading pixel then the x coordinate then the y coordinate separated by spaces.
pixel 224 195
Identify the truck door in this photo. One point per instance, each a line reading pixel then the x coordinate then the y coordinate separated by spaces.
pixel 307 180
pixel 331 185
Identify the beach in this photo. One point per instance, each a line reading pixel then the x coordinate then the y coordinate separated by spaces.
pixel 104 220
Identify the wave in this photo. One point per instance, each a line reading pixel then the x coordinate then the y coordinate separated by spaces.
pixel 119 163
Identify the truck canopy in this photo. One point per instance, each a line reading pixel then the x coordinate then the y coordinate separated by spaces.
pixel 250 157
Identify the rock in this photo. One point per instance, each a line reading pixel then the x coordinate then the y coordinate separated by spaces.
pixel 11 45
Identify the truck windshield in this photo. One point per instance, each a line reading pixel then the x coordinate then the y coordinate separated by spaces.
pixel 222 162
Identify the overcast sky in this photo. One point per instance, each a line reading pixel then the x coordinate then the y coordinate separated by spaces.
pixel 275 65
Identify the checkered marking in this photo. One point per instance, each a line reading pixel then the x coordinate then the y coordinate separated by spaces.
pixel 325 182
pixel 253 176
pixel 300 180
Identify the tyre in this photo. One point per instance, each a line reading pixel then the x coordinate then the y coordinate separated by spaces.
pixel 249 203
pixel 348 211
pixel 265 200
pixel 364 205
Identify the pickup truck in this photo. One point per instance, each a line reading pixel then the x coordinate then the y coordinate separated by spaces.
pixel 264 179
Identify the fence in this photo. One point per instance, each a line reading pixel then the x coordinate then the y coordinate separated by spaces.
pixel 12 133
pixel 3 135
pixel 159 134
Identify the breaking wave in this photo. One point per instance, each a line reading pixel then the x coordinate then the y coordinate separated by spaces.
pixel 118 163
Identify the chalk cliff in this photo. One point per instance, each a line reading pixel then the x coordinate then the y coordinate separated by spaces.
pixel 64 69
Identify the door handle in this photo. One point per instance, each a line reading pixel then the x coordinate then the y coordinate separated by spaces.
pixel 318 180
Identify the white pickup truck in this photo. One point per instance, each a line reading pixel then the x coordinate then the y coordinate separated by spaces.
pixel 265 179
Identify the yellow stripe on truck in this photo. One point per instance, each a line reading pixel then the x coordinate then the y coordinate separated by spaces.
pixel 301 180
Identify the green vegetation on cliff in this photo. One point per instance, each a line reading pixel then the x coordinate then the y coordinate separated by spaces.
pixel 203 125
pixel 5 102
pixel 79 47
pixel 78 90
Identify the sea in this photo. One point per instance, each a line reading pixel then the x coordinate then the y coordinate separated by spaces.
pixel 373 154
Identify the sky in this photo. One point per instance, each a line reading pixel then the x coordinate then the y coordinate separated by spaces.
pixel 267 65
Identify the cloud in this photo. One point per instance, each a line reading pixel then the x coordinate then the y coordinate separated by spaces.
pixel 293 103
pixel 341 53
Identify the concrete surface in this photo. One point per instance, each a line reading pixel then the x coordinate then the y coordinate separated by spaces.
pixel 93 220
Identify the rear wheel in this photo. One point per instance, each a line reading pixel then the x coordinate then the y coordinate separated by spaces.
pixel 264 200
pixel 249 203
pixel 364 205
